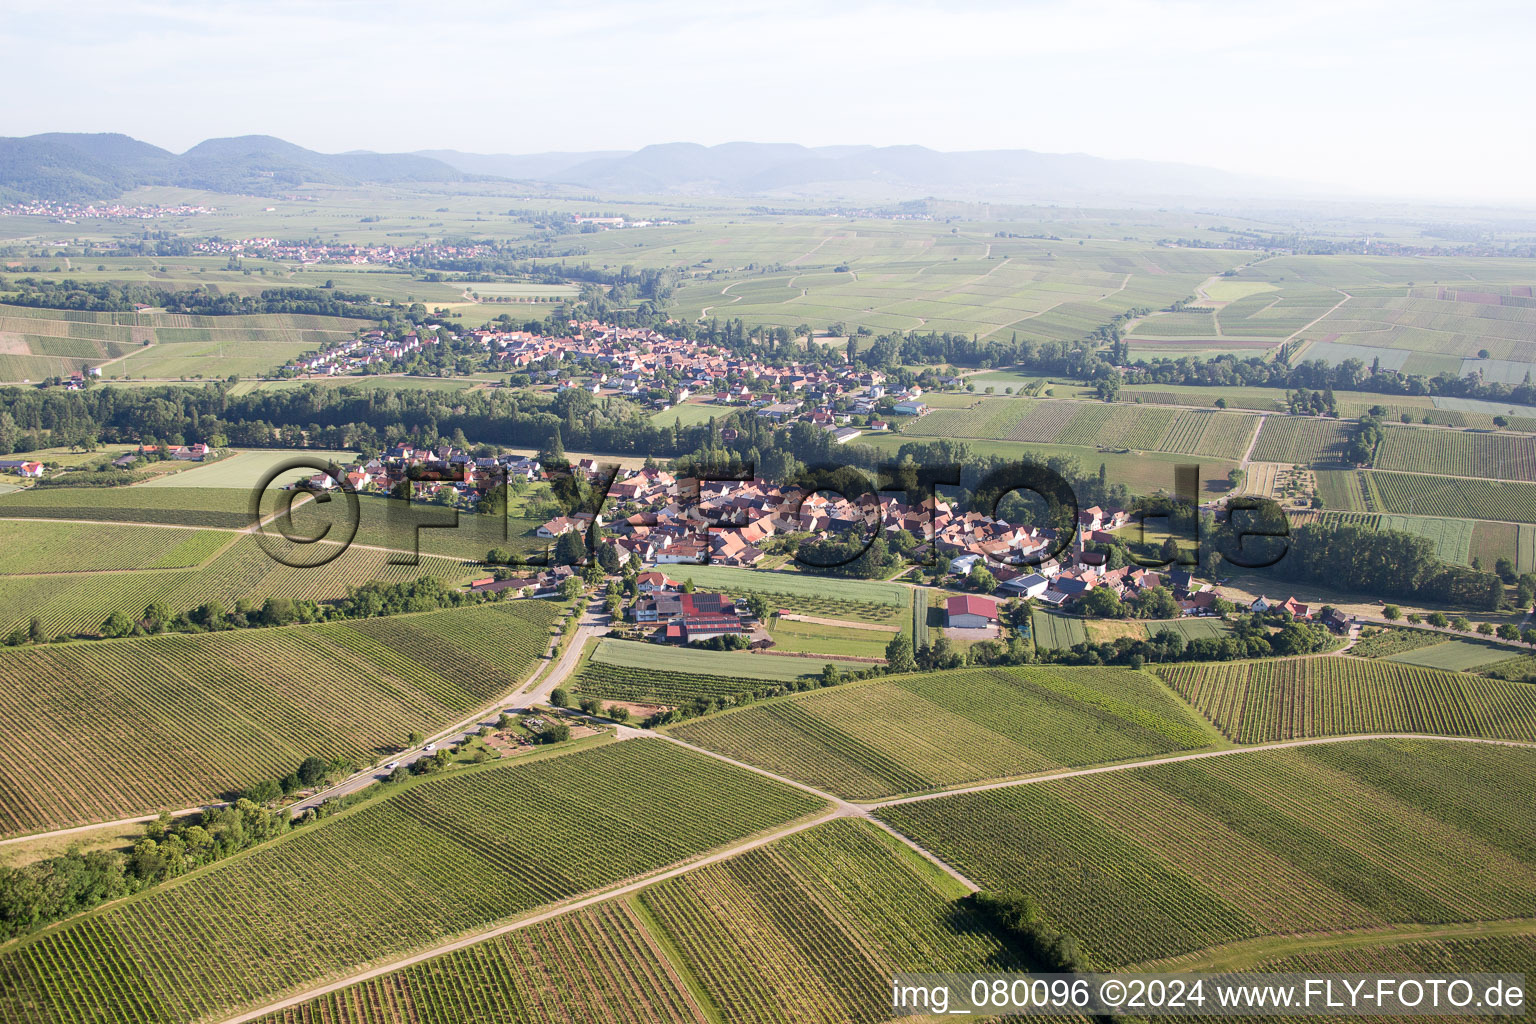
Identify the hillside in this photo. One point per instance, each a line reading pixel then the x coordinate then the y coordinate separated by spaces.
pixel 72 167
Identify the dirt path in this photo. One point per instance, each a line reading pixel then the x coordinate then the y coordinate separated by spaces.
pixel 792 617
pixel 1252 443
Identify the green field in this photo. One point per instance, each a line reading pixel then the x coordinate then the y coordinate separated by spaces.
pixel 1301 440
pixel 1292 698
pixel 51 343
pixel 820 638
pixel 113 728
pixel 68 602
pixel 596 964
pixel 738 664
pixel 245 470
pixel 36 547
pixel 1192 628
pixel 1055 630
pixel 1154 862
pixel 1451 496
pixel 1452 538
pixel 1455 655
pixel 437 859
pixel 691 414
pixel 931 730
pixel 1458 453
pixel 805 593
pixel 809 929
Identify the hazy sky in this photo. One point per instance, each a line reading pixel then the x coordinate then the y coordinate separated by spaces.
pixel 1390 97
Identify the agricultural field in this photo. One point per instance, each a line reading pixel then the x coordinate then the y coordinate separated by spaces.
pixel 1158 861
pixel 1451 538
pixel 38 547
pixel 76 603
pixel 132 726
pixel 1376 642
pixel 1293 698
pixel 1453 497
pixel 244 470
pixel 1455 655
pixel 41 343
pixel 832 640
pixel 805 593
pixel 1458 453
pixel 597 964
pixel 1054 630
pixel 927 731
pixel 1192 628
pixel 808 929
pixel 1303 440
pixel 1515 541
pixel 608 681
pixel 440 857
pixel 631 654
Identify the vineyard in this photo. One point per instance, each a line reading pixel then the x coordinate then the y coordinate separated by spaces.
pixel 219 507
pixel 1385 642
pixel 1281 699
pixel 438 858
pixel 810 928
pixel 1301 440
pixel 1418 494
pixel 805 594
pixel 594 965
pixel 931 730
pixel 1053 630
pixel 34 547
pixel 655 686
pixel 130 726
pixel 1457 453
pixel 630 654
pixel 1117 426
pixel 73 603
pixel 1153 862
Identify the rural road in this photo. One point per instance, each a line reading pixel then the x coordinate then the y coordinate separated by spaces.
pixel 593 623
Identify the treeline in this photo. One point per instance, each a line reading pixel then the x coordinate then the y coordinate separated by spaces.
pixel 54 888
pixel 1249 638
pixel 122 297
pixel 1390 563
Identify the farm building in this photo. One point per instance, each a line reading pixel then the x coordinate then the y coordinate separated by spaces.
pixel 23 467
pixel 969 611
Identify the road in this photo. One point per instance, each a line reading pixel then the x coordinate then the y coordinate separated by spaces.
pixel 536 691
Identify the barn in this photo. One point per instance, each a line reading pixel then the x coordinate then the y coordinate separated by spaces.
pixel 970 611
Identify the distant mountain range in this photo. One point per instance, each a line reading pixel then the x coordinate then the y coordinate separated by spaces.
pixel 80 167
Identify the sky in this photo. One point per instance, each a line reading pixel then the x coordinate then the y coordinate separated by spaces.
pixel 1385 98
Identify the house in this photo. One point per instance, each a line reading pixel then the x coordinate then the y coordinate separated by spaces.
pixel 970 611
pixel 1296 609
pixel 559 525
pixel 962 565
pixel 23 467
pixel 1031 585
pixel 650 582
pixel 661 606
pixel 1335 620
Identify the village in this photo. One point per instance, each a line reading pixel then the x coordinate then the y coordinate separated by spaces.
pixel 650 369
pixel 652 519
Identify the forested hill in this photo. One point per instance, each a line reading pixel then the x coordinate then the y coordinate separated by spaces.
pixel 72 167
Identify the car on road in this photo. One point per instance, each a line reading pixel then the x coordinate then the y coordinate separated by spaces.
pixel 392 766
pixel 429 747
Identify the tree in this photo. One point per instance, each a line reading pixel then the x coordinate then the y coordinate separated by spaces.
pixel 1508 631
pixel 1461 623
pixel 572 588
pixel 1157 603
pixel 118 624
pixel 608 558
pixel 264 792
pixel 560 697
pixel 618 712
pixel 981 579
pixel 35 631
pixel 1391 612
pixel 1438 620
pixel 591 706
pixel 1505 569
pixel 759 606
pixel 1235 478
pixel 311 770
pixel 570 548
pixel 1485 628
pixel 552 732
pixel 898 654
pixel 1101 603
pixel 830 676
